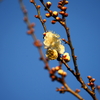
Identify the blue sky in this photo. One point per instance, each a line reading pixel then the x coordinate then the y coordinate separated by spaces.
pixel 22 75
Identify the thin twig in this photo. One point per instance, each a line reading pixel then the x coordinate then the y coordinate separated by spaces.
pixel 72 92
pixel 39 16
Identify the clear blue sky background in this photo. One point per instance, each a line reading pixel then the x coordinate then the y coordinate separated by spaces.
pixel 22 75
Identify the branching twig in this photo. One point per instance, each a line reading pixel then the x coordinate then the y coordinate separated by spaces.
pixel 77 75
pixel 38 44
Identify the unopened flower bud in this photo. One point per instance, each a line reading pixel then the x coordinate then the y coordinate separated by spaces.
pixel 65 14
pixel 47 15
pixel 48 4
pixel 53 21
pixel 44 34
pixel 92 84
pixel 58 18
pixel 32 24
pixel 60 3
pixel 98 87
pixel 66 57
pixel 30 31
pixel 36 16
pixel 58 89
pixel 62 87
pixel 93 79
pixel 66 2
pixel 88 84
pixel 60 71
pixel 62 12
pixel 55 13
pixel 89 77
pixel 51 72
pixel 38 6
pixel 53 77
pixel 75 57
pixel 37 43
pixel 63 23
pixel 64 74
pixel 53 69
pixel 59 6
pixel 50 11
pixel 77 90
pixel 25 11
pixel 57 68
pixel 63 8
pixel 44 20
pixel 25 19
pixel 32 1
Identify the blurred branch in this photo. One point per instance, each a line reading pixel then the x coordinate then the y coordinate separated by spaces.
pixel 37 42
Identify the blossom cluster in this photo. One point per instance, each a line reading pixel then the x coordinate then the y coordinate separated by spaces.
pixel 52 43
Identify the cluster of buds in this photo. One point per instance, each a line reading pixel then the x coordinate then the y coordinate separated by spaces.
pixel 63 2
pixel 37 16
pixel 60 72
pixel 63 8
pixel 55 13
pixel 61 90
pixel 91 81
pixel 48 5
pixel 26 20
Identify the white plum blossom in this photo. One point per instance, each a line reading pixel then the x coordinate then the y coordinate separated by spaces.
pixel 51 54
pixel 51 39
pixel 52 42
